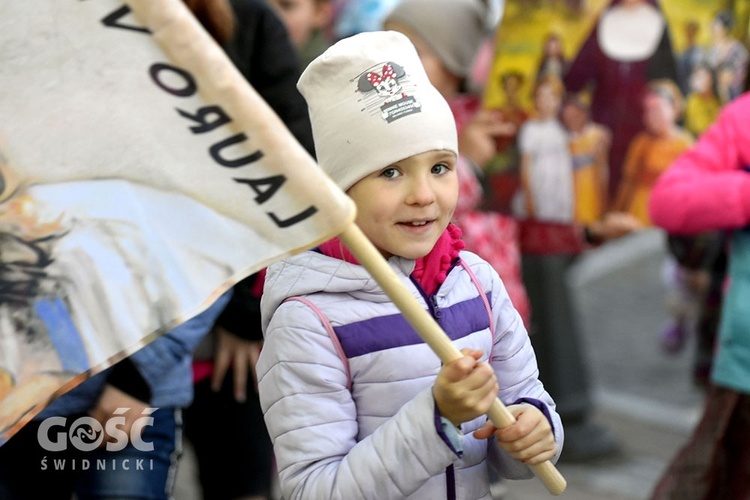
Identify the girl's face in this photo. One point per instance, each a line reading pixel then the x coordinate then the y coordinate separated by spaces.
pixel 659 114
pixel 725 78
pixel 546 101
pixel 718 30
pixel 574 117
pixel 511 86
pixel 405 207
pixel 302 17
pixel 701 81
pixel 553 47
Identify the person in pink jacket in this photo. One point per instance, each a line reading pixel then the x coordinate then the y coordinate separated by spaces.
pixel 708 188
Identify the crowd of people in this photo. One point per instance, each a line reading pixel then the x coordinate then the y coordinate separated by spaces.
pixel 305 376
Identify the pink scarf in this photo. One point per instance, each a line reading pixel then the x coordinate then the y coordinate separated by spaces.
pixel 430 271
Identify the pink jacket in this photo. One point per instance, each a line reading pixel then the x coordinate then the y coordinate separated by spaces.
pixel 708 187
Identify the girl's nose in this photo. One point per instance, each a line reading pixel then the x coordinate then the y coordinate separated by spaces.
pixel 421 192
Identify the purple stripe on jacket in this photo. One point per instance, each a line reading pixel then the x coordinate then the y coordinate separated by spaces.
pixel 388 332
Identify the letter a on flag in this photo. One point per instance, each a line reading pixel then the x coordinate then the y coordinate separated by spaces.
pixel 140 178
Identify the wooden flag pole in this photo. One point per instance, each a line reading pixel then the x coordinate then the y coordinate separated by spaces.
pixel 432 334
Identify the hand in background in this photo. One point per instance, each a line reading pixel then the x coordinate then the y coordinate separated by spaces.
pixel 239 354
pixel 113 399
pixel 614 225
pixel 477 140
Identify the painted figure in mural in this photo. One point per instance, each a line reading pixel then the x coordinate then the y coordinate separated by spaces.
pixel 628 47
pixel 702 105
pixel 589 146
pixel 691 56
pixel 727 57
pixel 553 60
pixel 546 174
pixel 502 170
pixel 658 144
pixel 513 111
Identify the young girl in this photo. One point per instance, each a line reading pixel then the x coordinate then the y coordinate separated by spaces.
pixel 546 171
pixel 357 405
pixel 589 145
pixel 658 144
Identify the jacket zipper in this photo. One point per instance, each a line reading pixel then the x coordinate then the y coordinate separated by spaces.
pixel 434 308
pixel 431 300
pixel 450 482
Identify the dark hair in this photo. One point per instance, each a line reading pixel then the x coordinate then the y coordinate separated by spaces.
pixel 555 83
pixel 668 89
pixel 725 18
pixel 216 16
pixel 512 74
pixel 579 100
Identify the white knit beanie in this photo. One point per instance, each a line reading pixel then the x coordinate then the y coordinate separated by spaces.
pixel 371 105
pixel 454 29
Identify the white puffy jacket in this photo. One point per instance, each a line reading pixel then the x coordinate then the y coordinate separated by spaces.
pixel 351 415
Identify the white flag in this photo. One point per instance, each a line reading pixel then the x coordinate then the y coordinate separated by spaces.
pixel 141 178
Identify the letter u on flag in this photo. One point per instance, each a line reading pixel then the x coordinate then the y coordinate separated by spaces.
pixel 141 177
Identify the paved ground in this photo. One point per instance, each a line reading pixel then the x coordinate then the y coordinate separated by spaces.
pixel 642 396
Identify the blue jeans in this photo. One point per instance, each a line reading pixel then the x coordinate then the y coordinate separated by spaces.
pixel 29 471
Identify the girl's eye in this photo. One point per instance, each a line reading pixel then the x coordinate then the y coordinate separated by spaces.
pixel 390 173
pixel 439 168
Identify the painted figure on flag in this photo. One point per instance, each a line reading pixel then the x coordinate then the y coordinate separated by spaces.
pixel 142 177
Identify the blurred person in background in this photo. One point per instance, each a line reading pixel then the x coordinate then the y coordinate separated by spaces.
pixel 708 189
pixel 659 142
pixel 702 104
pixel 308 23
pixel 156 377
pixel 357 16
pixel 546 171
pixel 225 423
pixel 589 147
pixel 649 154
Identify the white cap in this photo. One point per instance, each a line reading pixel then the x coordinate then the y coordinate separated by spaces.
pixel 371 105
